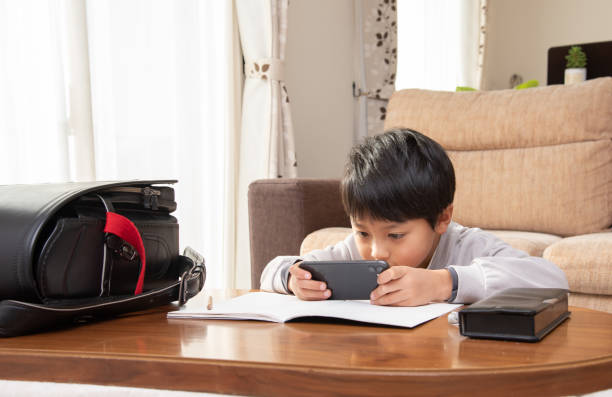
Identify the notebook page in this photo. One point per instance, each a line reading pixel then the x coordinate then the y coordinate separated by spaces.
pixel 389 315
pixel 280 308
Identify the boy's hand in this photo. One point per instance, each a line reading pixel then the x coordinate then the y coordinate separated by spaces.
pixel 303 287
pixel 408 286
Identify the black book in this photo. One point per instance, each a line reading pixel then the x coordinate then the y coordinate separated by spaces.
pixel 523 314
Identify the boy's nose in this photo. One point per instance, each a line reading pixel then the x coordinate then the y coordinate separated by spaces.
pixel 379 252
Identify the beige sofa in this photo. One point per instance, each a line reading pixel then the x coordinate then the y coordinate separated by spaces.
pixel 533 166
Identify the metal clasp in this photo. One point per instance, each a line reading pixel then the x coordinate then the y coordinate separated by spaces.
pixel 151 198
pixel 196 272
pixel 120 247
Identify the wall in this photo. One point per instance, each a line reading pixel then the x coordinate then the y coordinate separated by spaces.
pixel 319 63
pixel 318 71
pixel 520 32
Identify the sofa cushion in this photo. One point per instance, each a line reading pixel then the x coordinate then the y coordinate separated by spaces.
pixel 322 238
pixel 595 302
pixel 532 243
pixel 563 190
pixel 507 119
pixel 586 261
pixel 535 160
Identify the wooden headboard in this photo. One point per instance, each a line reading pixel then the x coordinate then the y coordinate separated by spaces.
pixel 599 61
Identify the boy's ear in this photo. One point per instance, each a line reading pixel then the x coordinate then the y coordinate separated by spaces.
pixel 444 219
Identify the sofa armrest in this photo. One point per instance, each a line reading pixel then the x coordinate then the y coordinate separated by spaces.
pixel 284 211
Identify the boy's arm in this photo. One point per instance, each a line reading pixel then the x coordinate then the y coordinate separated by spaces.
pixel 492 266
pixel 275 275
pixel 488 275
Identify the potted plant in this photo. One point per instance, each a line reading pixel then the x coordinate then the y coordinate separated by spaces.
pixel 575 70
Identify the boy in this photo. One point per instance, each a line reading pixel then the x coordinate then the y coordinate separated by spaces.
pixel 398 190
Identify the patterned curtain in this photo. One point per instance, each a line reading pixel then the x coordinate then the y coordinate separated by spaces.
pixel 266 142
pixel 376 24
pixel 482 41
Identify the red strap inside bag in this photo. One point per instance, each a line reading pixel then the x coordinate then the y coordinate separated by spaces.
pixel 125 229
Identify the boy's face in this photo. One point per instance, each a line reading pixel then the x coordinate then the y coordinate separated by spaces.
pixel 410 243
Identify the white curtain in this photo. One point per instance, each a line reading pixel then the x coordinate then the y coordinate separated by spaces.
pixel 267 142
pixel 160 81
pixel 440 43
pixel 33 111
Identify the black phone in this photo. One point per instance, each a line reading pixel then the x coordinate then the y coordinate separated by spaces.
pixel 347 279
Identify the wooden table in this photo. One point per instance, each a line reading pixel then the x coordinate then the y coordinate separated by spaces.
pixel 304 358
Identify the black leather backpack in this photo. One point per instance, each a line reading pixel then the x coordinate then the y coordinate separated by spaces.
pixel 73 252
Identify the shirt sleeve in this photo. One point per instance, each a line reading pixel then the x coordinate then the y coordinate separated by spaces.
pixel 276 273
pixel 487 275
pixel 486 265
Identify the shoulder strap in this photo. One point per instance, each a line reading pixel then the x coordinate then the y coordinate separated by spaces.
pixel 19 318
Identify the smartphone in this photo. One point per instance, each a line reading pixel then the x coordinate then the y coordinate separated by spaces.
pixel 347 279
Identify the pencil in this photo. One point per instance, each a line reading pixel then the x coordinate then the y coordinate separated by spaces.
pixel 210 305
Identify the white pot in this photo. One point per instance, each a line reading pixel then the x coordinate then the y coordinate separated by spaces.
pixel 575 75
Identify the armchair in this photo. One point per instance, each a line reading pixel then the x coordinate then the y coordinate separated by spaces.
pixel 532 166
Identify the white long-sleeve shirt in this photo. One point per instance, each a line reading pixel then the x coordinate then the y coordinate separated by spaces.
pixel 484 264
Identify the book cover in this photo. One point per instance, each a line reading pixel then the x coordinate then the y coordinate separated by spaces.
pixel 267 306
pixel 523 314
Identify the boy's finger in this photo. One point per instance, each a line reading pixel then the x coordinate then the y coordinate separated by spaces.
pixel 312 285
pixel 383 290
pixel 393 273
pixel 395 298
pixel 299 273
pixel 314 295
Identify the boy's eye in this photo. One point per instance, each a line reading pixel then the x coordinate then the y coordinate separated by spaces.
pixel 396 236
pixel 362 234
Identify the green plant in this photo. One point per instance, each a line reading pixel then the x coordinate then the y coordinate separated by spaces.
pixel 464 88
pixel 527 84
pixel 576 58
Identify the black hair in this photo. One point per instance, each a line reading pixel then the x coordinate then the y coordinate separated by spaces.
pixel 398 176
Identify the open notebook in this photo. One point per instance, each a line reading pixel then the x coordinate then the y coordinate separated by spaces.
pixel 266 306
